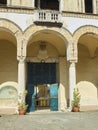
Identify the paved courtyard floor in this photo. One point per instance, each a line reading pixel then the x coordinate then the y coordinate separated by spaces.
pixel 51 121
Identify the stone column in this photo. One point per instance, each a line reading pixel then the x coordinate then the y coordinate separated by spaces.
pixel 21 74
pixel 72 80
pixel 63 83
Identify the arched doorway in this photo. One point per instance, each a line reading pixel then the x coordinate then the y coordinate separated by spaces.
pixel 45 52
pixel 8 72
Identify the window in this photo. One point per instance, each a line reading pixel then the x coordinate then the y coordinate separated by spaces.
pixel 3 2
pixel 37 3
pixel 88 6
pixel 47 4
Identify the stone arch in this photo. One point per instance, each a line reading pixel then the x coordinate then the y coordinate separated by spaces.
pixel 11 89
pixel 11 26
pixel 87 60
pixel 14 30
pixel 81 31
pixel 10 34
pixel 9 83
pixel 84 30
pixel 32 30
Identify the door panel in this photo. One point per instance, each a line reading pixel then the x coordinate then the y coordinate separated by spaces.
pixel 30 99
pixel 54 97
pixel 42 74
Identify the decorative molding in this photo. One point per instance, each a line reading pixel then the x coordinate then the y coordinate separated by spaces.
pixel 48 60
pixel 21 59
pixel 79 15
pixel 42 54
pixel 12 9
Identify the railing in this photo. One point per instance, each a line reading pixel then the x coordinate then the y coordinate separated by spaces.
pixel 47 16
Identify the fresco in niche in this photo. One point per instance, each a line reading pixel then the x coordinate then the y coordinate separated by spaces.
pixel 8 92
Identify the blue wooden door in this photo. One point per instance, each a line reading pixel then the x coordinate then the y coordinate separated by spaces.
pixel 30 99
pixel 54 97
pixel 42 73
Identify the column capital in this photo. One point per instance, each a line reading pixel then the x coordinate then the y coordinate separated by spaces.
pixel 72 52
pixel 21 59
pixel 72 64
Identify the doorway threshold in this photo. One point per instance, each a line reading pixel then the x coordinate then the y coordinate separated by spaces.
pixel 42 111
pixel 46 111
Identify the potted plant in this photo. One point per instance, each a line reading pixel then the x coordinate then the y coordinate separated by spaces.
pixel 76 100
pixel 22 106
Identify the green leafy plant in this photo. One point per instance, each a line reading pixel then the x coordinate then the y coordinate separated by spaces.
pixel 22 106
pixel 76 98
pixel 21 102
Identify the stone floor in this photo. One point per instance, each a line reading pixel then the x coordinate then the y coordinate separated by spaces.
pixel 51 121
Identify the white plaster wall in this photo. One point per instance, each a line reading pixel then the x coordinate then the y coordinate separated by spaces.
pixel 22 20
pixel 71 23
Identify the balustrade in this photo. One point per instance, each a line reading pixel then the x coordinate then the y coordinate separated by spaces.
pixel 47 16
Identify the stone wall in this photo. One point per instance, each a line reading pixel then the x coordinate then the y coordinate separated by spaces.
pixel 24 3
pixel 8 64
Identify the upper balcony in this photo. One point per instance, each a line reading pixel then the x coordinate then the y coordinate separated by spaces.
pixel 48 17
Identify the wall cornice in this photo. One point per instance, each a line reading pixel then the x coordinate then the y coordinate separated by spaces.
pixel 79 15
pixel 27 10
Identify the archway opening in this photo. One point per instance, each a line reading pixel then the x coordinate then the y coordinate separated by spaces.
pixel 87 71
pixel 8 56
pixel 47 51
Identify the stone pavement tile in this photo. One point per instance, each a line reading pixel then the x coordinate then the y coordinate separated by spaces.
pixel 51 121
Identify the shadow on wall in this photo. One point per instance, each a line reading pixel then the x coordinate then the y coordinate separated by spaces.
pixel 88 91
pixel 8 98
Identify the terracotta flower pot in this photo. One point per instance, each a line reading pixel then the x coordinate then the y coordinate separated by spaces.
pixel 22 112
pixel 75 109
